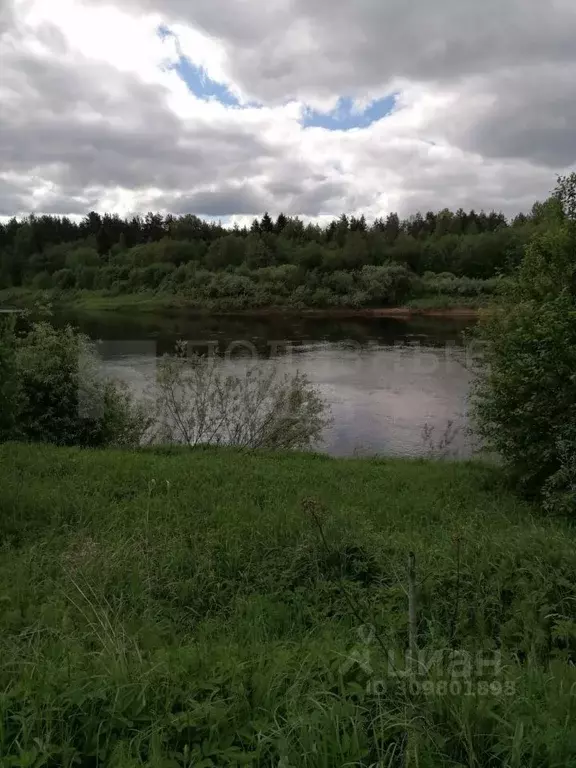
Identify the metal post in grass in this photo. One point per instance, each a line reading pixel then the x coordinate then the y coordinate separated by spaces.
pixel 409 756
pixel 412 611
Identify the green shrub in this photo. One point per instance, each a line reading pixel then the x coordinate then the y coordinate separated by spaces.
pixel 10 389
pixel 86 277
pixel 82 256
pixel 525 399
pixel 341 282
pixel 446 284
pixel 42 281
pixel 197 402
pixel 64 279
pixel 52 391
pixel 388 284
pixel 560 488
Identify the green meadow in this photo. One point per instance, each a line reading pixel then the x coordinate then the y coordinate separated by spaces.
pixel 166 607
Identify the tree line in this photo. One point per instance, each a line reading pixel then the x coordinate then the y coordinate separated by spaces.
pixel 348 261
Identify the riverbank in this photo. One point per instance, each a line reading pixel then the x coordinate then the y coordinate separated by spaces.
pixel 215 607
pixel 438 306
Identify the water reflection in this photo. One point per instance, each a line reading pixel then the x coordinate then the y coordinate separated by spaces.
pixel 385 379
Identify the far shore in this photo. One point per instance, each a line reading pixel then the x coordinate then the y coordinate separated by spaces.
pixel 11 300
pixel 400 312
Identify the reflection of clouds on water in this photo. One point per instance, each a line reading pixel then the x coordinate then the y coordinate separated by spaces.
pixel 382 399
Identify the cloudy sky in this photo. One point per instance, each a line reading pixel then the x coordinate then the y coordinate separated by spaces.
pixel 227 108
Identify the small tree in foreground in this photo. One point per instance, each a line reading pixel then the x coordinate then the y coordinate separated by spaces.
pixel 525 397
pixel 199 403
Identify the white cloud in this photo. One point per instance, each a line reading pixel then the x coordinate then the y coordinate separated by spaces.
pixel 94 114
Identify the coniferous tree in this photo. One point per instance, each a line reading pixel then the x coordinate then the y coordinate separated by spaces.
pixel 267 225
pixel 392 227
pixel 103 241
pixel 281 223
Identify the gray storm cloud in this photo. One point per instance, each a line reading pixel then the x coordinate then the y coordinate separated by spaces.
pixel 74 130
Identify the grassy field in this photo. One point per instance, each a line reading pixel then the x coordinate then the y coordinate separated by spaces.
pixel 161 302
pixel 445 301
pixel 212 608
pixel 94 300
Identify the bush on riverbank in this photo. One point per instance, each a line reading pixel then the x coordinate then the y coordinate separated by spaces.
pixel 526 395
pixel 199 402
pixel 170 608
pixel 9 383
pixel 52 391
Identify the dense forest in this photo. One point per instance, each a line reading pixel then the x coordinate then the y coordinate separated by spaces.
pixel 274 262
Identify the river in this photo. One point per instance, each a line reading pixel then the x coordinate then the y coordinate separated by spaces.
pixel 387 380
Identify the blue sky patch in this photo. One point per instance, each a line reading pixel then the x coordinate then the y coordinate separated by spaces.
pixel 345 118
pixel 342 118
pixel 196 77
pixel 203 86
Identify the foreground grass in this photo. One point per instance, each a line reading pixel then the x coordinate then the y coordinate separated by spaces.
pixel 170 608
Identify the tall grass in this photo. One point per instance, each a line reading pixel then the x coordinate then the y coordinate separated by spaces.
pixel 165 607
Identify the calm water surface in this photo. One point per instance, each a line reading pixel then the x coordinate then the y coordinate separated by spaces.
pixel 385 379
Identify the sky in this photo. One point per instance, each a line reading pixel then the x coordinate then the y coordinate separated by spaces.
pixel 228 108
